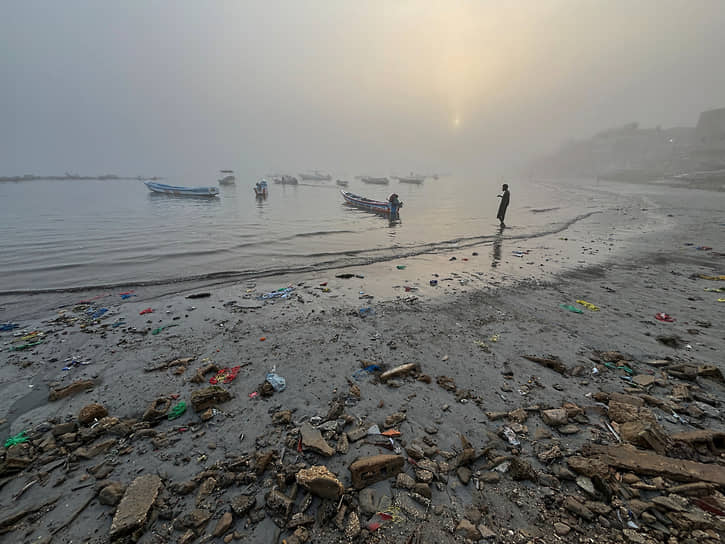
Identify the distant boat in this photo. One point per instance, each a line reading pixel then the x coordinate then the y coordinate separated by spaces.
pixel 315 176
pixel 285 180
pixel 228 179
pixel 181 191
pixel 411 179
pixel 342 183
pixel 261 189
pixel 377 206
pixel 378 181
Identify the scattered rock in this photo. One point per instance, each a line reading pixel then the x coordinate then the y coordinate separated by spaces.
pixel 312 439
pixel 555 417
pixel 368 470
pixel 111 494
pixel 72 389
pixel 223 525
pixel 393 419
pixel 468 530
pixel 91 413
pixel 561 529
pixel 134 507
pixel 243 504
pixel 321 482
pixel 201 399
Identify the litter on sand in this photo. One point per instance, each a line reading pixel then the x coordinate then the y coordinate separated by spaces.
pixel 17 439
pixel 225 375
pixel 588 305
pixel 283 292
pixel 713 278
pixel 571 308
pixel 277 382
pixel 661 316
pixel 177 411
pixel 199 295
pixel 8 326
pixel 146 311
pixel 159 329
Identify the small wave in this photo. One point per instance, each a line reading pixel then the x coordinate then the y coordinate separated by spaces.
pixel 321 233
pixel 342 259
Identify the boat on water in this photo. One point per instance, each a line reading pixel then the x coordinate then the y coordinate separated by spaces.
pixel 181 191
pixel 411 179
pixel 378 181
pixel 342 183
pixel 228 179
pixel 377 206
pixel 261 189
pixel 285 180
pixel 315 176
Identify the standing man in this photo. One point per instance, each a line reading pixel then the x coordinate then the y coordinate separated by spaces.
pixel 505 196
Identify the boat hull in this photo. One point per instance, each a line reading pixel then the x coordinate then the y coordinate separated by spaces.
pixel 227 180
pixel 181 191
pixel 315 177
pixel 376 181
pixel 414 180
pixel 377 206
pixel 342 183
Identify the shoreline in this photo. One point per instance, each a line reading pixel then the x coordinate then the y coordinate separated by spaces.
pixel 468 335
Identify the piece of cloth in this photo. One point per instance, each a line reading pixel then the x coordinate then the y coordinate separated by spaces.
pixel 503 206
pixel 661 316
pixel 225 375
pixel 588 305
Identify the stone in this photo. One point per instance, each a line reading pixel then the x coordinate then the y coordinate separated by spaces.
pixel 519 415
pixel 312 439
pixel 394 419
pixel 425 476
pixel 575 507
pixel 561 529
pixel 415 451
pixel 63 428
pixel 404 481
pixel 243 504
pixel 586 484
pixel 283 417
pixel 672 502
pixel 358 434
pixel 96 449
pixel 184 488
pixel 546 456
pixel 134 507
pixel 157 410
pixel 205 489
pixel 568 429
pixel 489 477
pixel 196 519
pixel 279 503
pixel 91 413
pixel 622 412
pixel 555 417
pixel 201 399
pixel 587 466
pixel 74 388
pixel 368 470
pixel 223 525
pixel 343 445
pixel 321 482
pixel 646 435
pixel 111 494
pixel 352 530
pixel 644 380
pixel 522 470
pixel 366 497
pixel 486 532
pixel 423 490
pixel 468 530
pixel 464 474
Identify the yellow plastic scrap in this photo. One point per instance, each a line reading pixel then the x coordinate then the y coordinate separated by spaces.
pixel 494 338
pixel 714 278
pixel 588 305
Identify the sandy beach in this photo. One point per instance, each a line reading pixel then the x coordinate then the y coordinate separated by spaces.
pixel 486 444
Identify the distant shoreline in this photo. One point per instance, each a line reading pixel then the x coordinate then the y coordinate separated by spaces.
pixel 104 177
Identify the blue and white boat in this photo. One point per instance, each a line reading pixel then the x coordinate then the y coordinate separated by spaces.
pixel 181 191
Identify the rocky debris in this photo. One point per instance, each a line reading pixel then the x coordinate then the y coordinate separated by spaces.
pixel 283 417
pixel 394 419
pixel 73 389
pixel 352 530
pixel 279 504
pixel 312 439
pixel 368 470
pixel 554 363
pixel 242 504
pixel 468 530
pixel 200 375
pixel 520 469
pixel 134 507
pixel 91 413
pixel 223 525
pixel 209 397
pixel 111 494
pixel 555 417
pixel 321 482
pixel 157 410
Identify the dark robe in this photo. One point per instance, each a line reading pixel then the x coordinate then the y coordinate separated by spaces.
pixel 503 206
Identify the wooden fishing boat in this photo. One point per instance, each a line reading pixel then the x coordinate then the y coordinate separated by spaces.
pixel 229 179
pixel 411 179
pixel 377 206
pixel 342 183
pixel 315 176
pixel 378 181
pixel 181 191
pixel 285 180
pixel 261 189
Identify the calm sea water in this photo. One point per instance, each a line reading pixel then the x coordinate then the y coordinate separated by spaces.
pixel 61 234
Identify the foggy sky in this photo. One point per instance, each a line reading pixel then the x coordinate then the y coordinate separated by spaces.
pixel 171 87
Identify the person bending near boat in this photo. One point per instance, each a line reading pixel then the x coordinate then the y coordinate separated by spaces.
pixel 504 196
pixel 395 204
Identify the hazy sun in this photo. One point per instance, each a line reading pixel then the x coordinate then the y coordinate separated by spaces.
pixel 456 121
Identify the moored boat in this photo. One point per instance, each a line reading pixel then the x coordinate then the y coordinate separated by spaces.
pixel 228 179
pixel 411 179
pixel 378 181
pixel 342 183
pixel 377 206
pixel 181 191
pixel 315 176
pixel 285 180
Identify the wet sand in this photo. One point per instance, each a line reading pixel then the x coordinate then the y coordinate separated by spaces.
pixel 473 327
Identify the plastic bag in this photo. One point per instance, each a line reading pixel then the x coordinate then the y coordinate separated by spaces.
pixel 277 382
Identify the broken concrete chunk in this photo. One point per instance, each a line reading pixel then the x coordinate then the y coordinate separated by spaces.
pixel 243 504
pixel 279 503
pixel 555 417
pixel 575 507
pixel 312 439
pixel 223 525
pixel 201 399
pixel 321 482
pixel 72 389
pixel 91 413
pixel 368 470
pixel 134 507
pixel 393 419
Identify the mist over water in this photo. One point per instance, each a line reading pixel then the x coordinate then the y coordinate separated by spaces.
pixel 78 233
